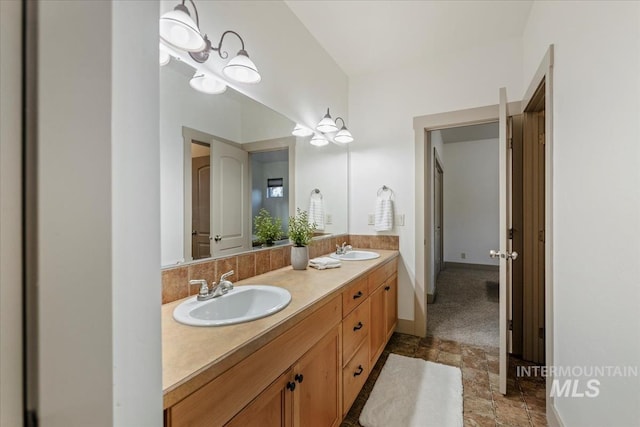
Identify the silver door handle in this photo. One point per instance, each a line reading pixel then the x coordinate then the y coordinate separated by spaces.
pixel 497 254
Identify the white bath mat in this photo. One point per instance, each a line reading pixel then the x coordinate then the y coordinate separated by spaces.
pixel 414 393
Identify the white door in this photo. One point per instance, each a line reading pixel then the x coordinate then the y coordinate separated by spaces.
pixel 504 253
pixel 230 208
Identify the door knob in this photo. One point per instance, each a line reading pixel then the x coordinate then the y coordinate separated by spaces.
pixel 194 232
pixel 497 254
pixel 217 238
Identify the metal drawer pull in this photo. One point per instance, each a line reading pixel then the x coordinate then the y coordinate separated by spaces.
pixel 358 295
pixel 387 288
pixel 359 371
pixel 291 386
pixel 358 326
pixel 299 378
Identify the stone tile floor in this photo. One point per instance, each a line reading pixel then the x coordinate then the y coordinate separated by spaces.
pixel 524 404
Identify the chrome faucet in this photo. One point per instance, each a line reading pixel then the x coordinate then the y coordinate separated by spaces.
pixel 216 290
pixel 341 250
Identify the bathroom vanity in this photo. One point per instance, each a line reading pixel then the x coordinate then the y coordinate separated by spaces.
pixel 302 366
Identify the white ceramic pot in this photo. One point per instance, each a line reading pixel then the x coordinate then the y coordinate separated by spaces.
pixel 299 257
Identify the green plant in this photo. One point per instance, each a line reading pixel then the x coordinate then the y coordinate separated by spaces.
pixel 268 229
pixel 300 231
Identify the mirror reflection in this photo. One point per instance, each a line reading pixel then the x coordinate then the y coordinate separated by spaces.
pixel 223 159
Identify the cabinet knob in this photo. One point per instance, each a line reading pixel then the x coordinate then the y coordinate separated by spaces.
pixel 291 386
pixel 358 295
pixel 359 371
pixel 387 288
pixel 299 378
pixel 358 326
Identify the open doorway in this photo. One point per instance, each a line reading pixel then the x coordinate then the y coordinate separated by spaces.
pixel 464 300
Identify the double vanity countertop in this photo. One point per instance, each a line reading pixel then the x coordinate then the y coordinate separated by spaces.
pixel 193 355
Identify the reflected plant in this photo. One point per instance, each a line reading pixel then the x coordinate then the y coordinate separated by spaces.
pixel 268 228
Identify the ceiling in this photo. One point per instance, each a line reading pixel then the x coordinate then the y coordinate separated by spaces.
pixel 367 36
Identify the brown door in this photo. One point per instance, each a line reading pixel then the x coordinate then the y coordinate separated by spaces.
pixel 438 221
pixel 201 207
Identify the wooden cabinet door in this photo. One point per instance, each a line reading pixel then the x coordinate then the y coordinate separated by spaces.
pixel 377 329
pixel 391 305
pixel 271 408
pixel 318 392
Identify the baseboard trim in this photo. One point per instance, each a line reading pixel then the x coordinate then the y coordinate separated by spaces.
pixel 406 326
pixel 448 264
pixel 431 298
pixel 553 418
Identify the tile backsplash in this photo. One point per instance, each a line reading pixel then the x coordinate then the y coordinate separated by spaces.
pixel 175 279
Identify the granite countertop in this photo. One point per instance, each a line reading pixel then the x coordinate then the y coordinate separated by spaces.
pixel 192 356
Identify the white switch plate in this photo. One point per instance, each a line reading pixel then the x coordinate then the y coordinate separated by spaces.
pixel 400 219
pixel 329 219
pixel 372 219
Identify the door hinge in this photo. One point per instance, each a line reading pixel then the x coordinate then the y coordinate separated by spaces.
pixel 511 325
pixel 541 138
pixel 510 234
pixel 541 236
pixel 541 333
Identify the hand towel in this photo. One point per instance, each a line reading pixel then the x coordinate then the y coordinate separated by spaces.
pixel 384 212
pixel 322 263
pixel 316 211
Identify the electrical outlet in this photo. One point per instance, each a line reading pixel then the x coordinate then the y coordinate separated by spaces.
pixel 329 219
pixel 400 219
pixel 463 255
pixel 372 219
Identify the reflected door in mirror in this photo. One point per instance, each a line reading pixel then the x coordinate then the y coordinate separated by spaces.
pixel 230 199
pixel 201 207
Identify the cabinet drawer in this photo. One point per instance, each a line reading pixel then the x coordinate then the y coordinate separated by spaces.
pixel 355 328
pixel 382 273
pixel 355 293
pixel 354 375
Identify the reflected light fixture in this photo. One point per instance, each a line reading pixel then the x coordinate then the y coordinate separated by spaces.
pixel 343 136
pixel 177 29
pixel 319 140
pixel 300 130
pixel 327 124
pixel 207 84
pixel 164 55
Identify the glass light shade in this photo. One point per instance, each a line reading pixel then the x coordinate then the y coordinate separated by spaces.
pixel 242 69
pixel 301 131
pixel 164 56
pixel 343 136
pixel 177 29
pixel 319 141
pixel 207 84
pixel 327 124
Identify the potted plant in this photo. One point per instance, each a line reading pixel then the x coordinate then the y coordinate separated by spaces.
pixel 300 234
pixel 268 229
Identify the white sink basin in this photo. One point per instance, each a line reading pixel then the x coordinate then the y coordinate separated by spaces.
pixel 241 304
pixel 356 256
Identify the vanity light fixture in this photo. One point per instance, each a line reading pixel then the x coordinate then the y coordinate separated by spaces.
pixel 319 140
pixel 343 136
pixel 300 130
pixel 327 124
pixel 207 84
pixel 177 29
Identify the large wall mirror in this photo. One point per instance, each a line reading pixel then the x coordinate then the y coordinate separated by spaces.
pixel 223 158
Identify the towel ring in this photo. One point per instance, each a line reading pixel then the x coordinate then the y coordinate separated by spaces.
pixel 316 191
pixel 383 189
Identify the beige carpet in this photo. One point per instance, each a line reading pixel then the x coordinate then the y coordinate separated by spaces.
pixel 466 307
